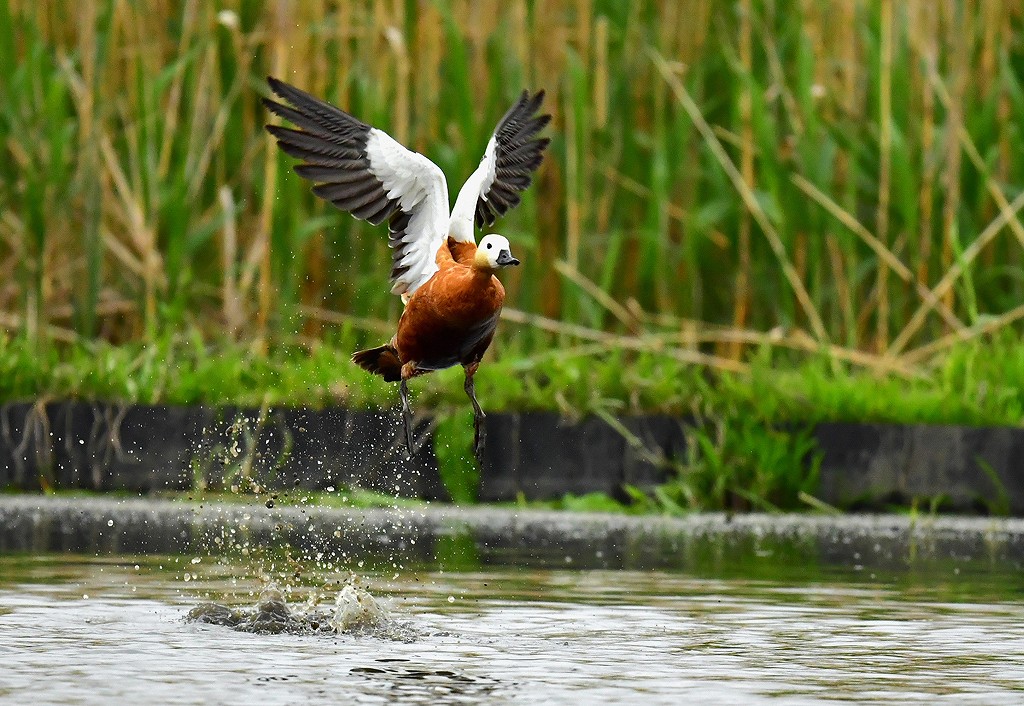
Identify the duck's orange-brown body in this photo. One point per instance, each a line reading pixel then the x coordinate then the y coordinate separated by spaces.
pixel 450 320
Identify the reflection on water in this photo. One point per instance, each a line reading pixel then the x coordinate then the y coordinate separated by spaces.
pixel 115 630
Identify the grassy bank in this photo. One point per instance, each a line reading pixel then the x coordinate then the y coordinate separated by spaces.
pixel 978 383
pixel 750 449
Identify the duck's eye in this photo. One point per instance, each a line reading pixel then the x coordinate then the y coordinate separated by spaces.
pixel 489 245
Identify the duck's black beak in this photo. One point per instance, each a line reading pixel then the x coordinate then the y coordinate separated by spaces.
pixel 505 259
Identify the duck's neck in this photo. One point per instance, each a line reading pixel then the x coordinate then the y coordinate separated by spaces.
pixel 462 251
pixel 481 265
pixel 482 271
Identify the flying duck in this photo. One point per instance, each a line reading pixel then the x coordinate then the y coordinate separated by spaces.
pixel 452 298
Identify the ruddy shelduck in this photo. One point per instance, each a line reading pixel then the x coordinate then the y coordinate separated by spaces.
pixel 452 298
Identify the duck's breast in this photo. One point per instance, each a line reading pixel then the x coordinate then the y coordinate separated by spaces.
pixel 450 319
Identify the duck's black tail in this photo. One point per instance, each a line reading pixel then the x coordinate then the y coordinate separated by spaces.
pixel 382 360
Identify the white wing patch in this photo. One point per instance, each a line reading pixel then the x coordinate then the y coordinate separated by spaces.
pixel 476 187
pixel 421 191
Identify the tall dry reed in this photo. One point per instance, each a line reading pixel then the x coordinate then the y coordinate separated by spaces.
pixel 839 172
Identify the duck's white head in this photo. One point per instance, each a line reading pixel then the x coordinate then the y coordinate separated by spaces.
pixel 493 253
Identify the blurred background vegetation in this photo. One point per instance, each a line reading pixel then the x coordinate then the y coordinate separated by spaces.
pixel 836 178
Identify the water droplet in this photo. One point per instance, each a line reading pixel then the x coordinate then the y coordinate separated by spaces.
pixel 196 560
pixel 451 599
pixel 110 523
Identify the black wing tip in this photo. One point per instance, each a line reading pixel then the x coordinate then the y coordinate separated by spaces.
pixel 523 120
pixel 531 103
pixel 305 102
pixel 525 106
pixel 285 90
pixel 273 106
pixel 280 89
pixel 533 99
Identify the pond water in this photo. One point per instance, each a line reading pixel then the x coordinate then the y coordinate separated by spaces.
pixel 102 630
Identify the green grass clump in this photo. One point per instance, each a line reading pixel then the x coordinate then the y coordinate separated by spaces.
pixel 738 462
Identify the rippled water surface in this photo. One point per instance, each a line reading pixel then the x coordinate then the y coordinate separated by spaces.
pixel 115 630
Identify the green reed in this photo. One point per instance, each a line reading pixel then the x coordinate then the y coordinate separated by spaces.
pixel 809 168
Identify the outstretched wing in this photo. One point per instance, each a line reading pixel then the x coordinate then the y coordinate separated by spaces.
pixel 513 153
pixel 363 171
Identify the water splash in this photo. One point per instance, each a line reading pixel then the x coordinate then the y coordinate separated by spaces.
pixel 355 611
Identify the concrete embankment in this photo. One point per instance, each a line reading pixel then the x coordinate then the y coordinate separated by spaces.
pixel 36 523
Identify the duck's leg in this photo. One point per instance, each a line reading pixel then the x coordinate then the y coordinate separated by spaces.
pixel 478 414
pixel 408 371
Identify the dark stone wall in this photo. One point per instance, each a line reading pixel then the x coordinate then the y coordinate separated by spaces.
pixel 539 455
pixel 143 448
pixel 543 456
pixel 961 468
